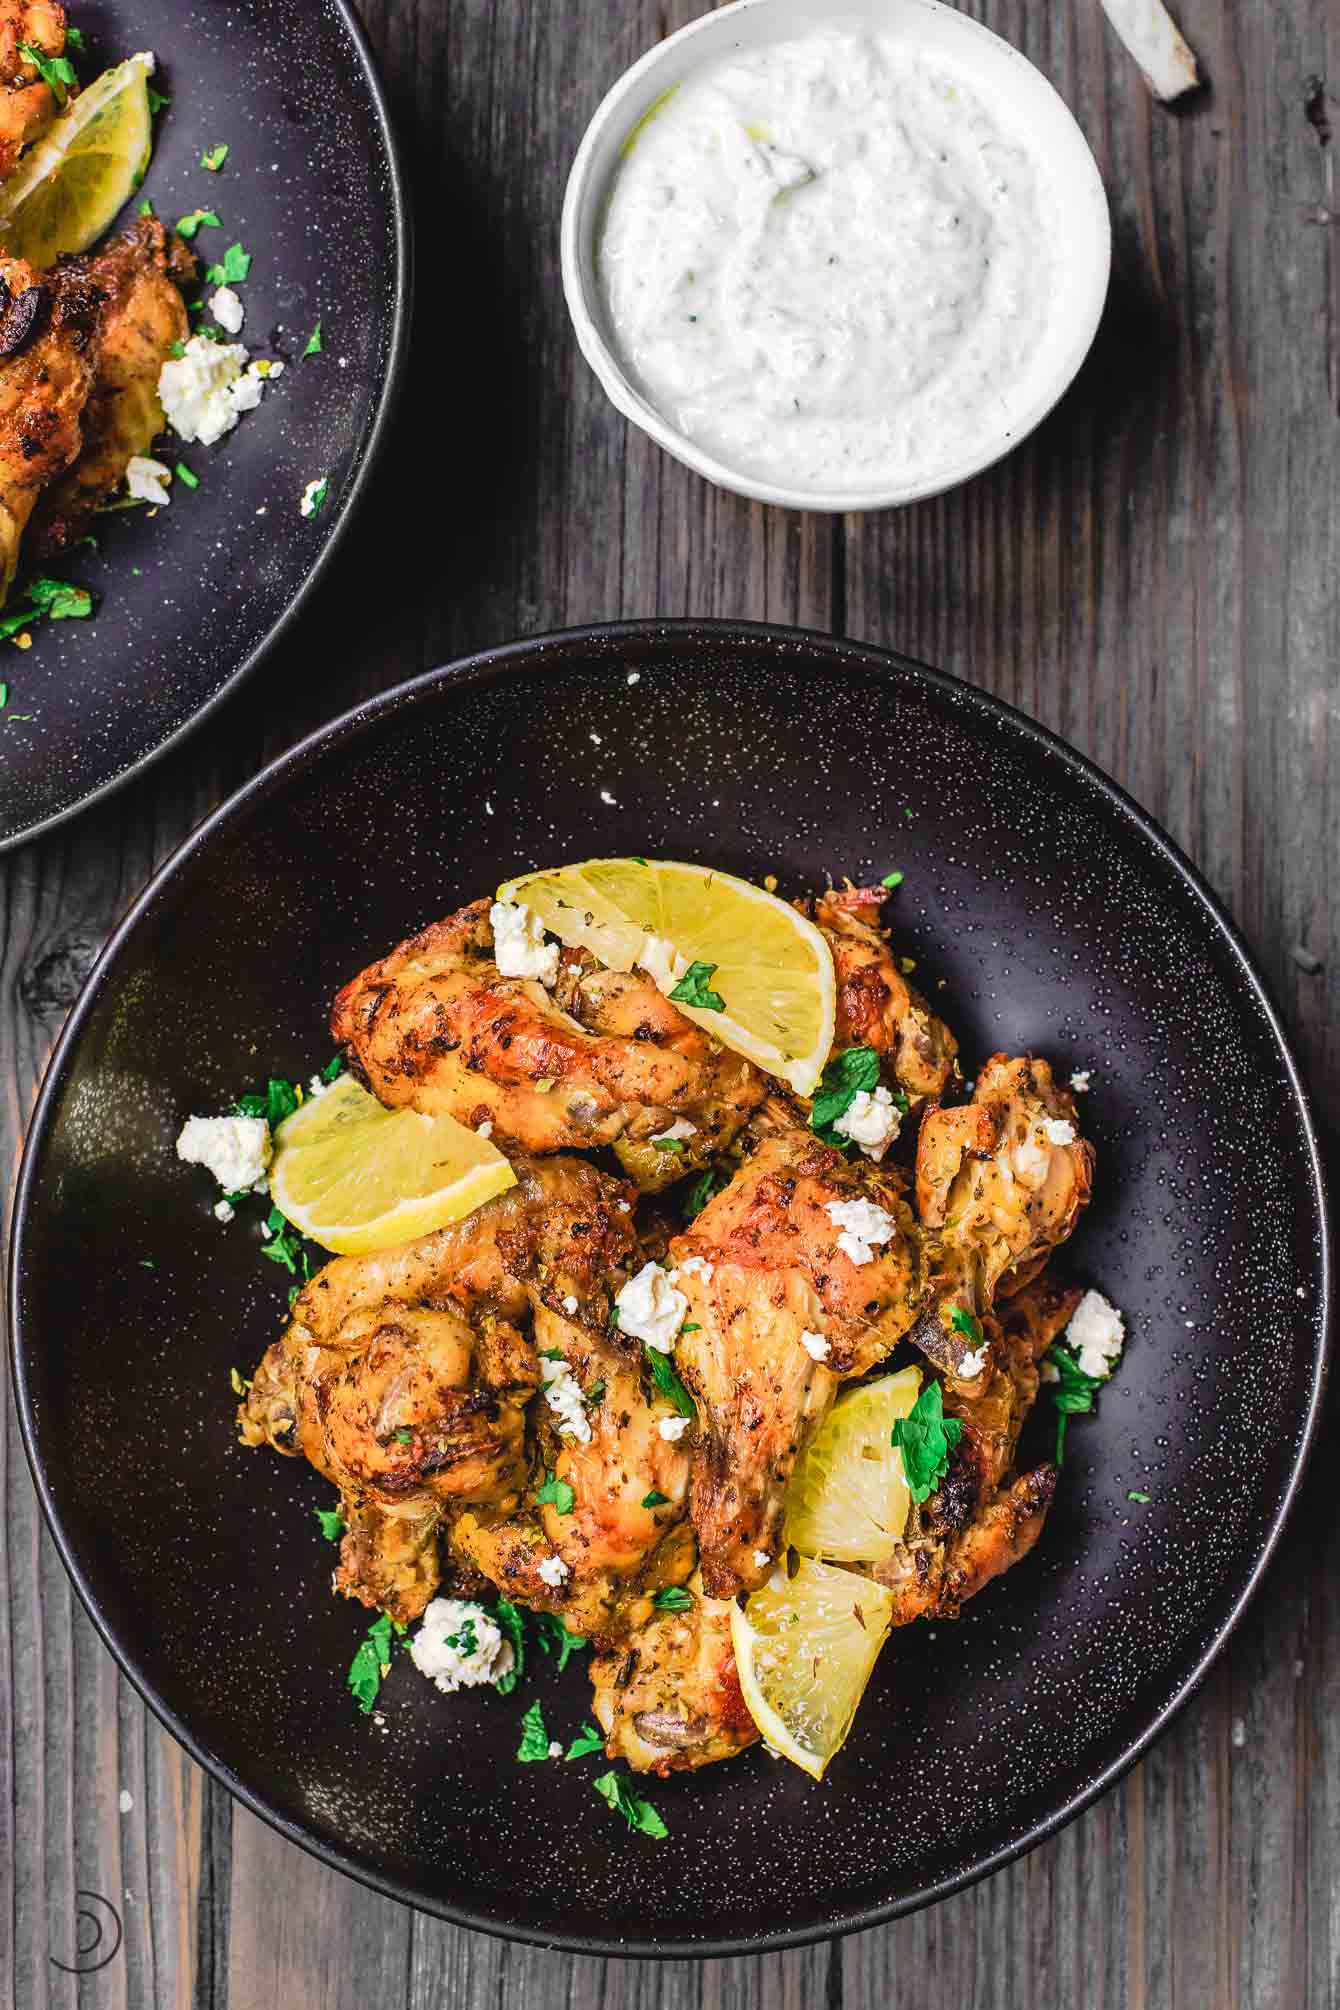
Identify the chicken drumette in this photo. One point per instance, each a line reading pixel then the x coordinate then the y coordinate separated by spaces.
pixel 27 103
pixel 668 1698
pixel 876 1006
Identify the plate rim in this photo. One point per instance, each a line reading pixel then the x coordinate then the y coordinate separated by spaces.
pixel 484 666
pixel 384 411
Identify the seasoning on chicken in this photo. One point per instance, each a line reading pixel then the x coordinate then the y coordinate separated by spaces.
pixel 668 1698
pixel 27 103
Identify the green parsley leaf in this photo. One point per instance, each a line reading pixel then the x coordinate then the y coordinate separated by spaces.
pixel 331 1521
pixel 552 1354
pixel 694 988
pixel 640 1815
pixel 314 499
pixel 673 1598
pixel 1072 1393
pixel 655 1499
pixel 56 72
pixel 700 1191
pixel 4 696
pixel 315 345
pixel 556 1494
pixel 534 1737
pixel 554 1637
pixel 188 225
pixel 667 1381
pixel 232 269
pixel 186 475
pixel 333 1069
pixel 925 1438
pixel 58 600
pixel 213 158
pixel 892 879
pixel 849 1072
pixel 636 860
pixel 157 102
pixel 588 1739
pixel 284 1244
pixel 512 1626
pixel 1143 1499
pixel 963 1322
pixel 595 1392
pixel 74 39
pixel 146 207
pixel 675 1145
pixel 14 624
pixel 404 1436
pixel 370 1664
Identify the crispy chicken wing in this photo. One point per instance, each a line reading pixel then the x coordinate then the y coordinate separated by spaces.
pixel 50 325
pixel 435 1026
pixel 404 1377
pixel 668 1698
pixel 876 1006
pixel 27 105
pixel 141 273
pixel 764 1273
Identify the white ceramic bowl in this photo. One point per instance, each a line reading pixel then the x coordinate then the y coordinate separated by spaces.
pixel 1072 186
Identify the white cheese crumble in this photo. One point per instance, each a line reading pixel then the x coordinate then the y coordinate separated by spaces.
pixel 484 1130
pixel 552 1571
pixel 1096 1334
pixel 762 1559
pixel 555 1749
pixel 314 495
pixel 863 1226
pixel 672 1429
pixel 226 308
pixel 815 1346
pixel 460 1646
pixel 519 947
pixel 681 1128
pixel 570 1304
pixel 1058 1132
pixel 147 480
pixel 871 1120
pixel 223 1212
pixel 651 1309
pixel 972 1364
pixel 207 388
pixel 1080 1080
pixel 235 1149
pixel 563 1394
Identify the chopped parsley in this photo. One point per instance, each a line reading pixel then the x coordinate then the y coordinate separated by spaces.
pixel 157 102
pixel 284 1245
pixel 640 1815
pixel 694 988
pixel 465 1641
pixel 231 269
pixel 926 1437
pixel 1143 1499
pixel 556 1494
pixel 4 696
pixel 554 1637
pixel 187 476
pixel 655 1499
pixel 238 1383
pixel 675 1145
pixel 371 1663
pixel 56 72
pixel 595 1392
pixel 892 879
pixel 963 1322
pixel 1072 1392
pixel 667 1381
pixel 673 1598
pixel 849 1072
pixel 513 1629
pixel 213 158
pixel 331 1522
pixel 280 1100
pixel 60 601
pixel 700 1191
pixel 74 39
pixel 588 1739
pixel 333 1069
pixel 146 207
pixel 315 345
pixel 404 1435
pixel 534 1737
pixel 314 496
pixel 188 225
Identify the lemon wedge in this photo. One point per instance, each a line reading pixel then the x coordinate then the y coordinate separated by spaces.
pixel 848 1498
pixel 705 935
pixel 356 1177
pixel 805 1647
pixel 85 167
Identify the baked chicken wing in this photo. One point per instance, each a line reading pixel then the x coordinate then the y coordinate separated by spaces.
pixel 668 1698
pixel 876 1006
pixel 27 105
pixel 50 325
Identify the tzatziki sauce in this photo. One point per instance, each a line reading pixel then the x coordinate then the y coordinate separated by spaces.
pixel 824 261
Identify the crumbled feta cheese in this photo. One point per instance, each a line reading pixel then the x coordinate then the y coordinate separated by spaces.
pixel 519 947
pixel 651 1309
pixel 460 1646
pixel 226 307
pixel 762 1559
pixel 316 1088
pixel 972 1364
pixel 235 1149
pixel 484 1130
pixel 1096 1334
pixel 1080 1080
pixel 552 1571
pixel 863 1226
pixel 314 495
pixel 815 1346
pixel 555 1749
pixel 564 1396
pixel 672 1429
pixel 570 1304
pixel 680 1128
pixel 693 1266
pixel 1058 1132
pixel 1032 1163
pixel 147 480
pixel 871 1120
pixel 223 1212
pixel 207 388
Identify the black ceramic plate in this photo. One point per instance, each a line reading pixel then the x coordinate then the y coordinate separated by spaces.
pixel 191 599
pixel 1059 920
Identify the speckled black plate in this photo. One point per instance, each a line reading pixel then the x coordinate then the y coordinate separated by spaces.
pixel 1059 921
pixel 190 600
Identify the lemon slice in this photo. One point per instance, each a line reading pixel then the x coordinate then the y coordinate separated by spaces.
pixel 356 1177
pixel 848 1498
pixel 85 167
pixel 805 1647
pixel 769 965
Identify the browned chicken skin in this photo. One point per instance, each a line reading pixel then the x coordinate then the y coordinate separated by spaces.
pixel 27 105
pixel 141 274
pixel 668 1698
pixel 876 1006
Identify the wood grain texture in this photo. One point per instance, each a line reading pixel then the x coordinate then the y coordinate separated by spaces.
pixel 1154 576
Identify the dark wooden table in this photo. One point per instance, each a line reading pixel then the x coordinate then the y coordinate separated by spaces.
pixel 1154 575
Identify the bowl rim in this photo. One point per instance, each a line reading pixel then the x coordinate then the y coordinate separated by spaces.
pixel 490 665
pixel 582 208
pixel 388 400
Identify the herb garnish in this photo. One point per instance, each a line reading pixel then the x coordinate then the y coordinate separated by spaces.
pixel 675 1145
pixel 554 1637
pixel 284 1244
pixel 1072 1392
pixel 188 225
pixel 333 1069
pixel 892 879
pixel 1143 1499
pixel 372 1662
pixel 854 1069
pixel 56 72
pixel 694 988
pixel 331 1521
pixel 925 1438
pixel 157 102
pixel 673 1598
pixel 513 1629
pixel 280 1100
pixel 655 1499
pixel 232 268
pixel 187 476
pixel 238 1383
pixel 556 1494
pixel 213 158
pixel 315 345
pixel 700 1191
pixel 74 39
pixel 667 1381
pixel 404 1436
pixel 588 1739
pixel 963 1322
pixel 534 1737
pixel 50 600
pixel 640 1815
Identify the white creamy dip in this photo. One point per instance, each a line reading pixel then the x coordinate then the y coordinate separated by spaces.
pixel 825 262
